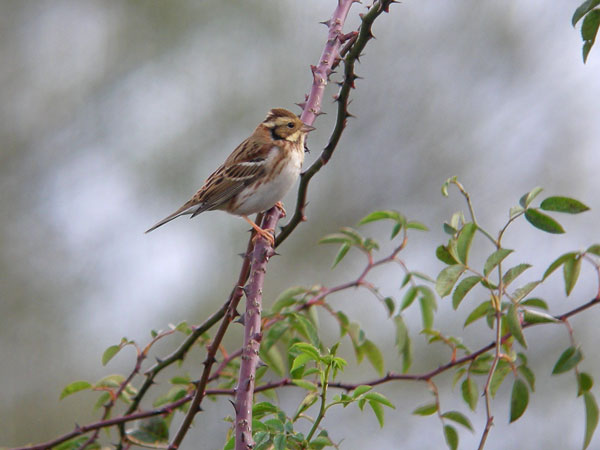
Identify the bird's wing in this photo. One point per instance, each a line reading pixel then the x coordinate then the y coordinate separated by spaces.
pixel 245 164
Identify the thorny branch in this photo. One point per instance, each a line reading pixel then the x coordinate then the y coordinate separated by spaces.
pixel 317 299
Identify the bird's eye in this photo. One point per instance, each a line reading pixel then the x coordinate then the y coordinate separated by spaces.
pixel 290 125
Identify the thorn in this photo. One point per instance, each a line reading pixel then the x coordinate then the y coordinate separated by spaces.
pixel 313 68
pixel 326 23
pixel 320 113
pixel 241 320
pixel 301 105
pixel 350 115
pixel 209 360
pixel 158 360
pixel 336 98
pixel 233 404
pixel 199 408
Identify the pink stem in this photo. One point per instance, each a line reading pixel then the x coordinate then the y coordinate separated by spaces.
pixel 252 336
pixel 262 252
pixel 331 52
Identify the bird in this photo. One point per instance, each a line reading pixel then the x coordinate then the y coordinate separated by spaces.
pixel 256 175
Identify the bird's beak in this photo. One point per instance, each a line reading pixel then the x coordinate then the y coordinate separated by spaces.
pixel 307 128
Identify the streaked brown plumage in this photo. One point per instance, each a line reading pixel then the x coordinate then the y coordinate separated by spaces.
pixel 257 174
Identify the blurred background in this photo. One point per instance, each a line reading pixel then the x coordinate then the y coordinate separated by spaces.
pixel 112 113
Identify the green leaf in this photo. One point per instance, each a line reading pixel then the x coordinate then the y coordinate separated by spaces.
pixel 511 274
pixel 360 390
pixel 444 255
pixel 465 239
pixel 583 9
pixel 499 375
pixel 585 51
pixel 75 386
pixel 564 205
pixel 279 442
pixel 515 211
pixel 594 249
pixel 262 409
pixel 272 358
pixel 526 199
pixel 110 381
pixel 589 27
pixel 514 325
pixel 531 316
pixel 340 255
pixel 109 353
pixel 275 425
pixel 451 437
pixel 287 298
pixel 470 393
pixel 478 312
pixel 518 399
pixel 494 259
pixel 413 225
pixel 273 335
pixel 379 398
pixel 305 384
pixel 390 305
pixel 427 309
pixel 558 262
pixel 306 328
pixel 230 444
pixel 335 238
pixel 591 417
pixel 409 297
pixel 459 418
pixel 401 332
pixel 152 432
pixel 571 270
pixel 585 382
pixel 319 442
pixel 354 235
pixel 381 215
pixel 524 290
pixel 446 184
pixel 447 278
pixel 543 222
pixel 76 443
pixel 528 375
pixel 374 356
pixel 378 410
pixel 567 360
pixel 535 303
pixel 426 410
pixel 308 349
pixel 463 289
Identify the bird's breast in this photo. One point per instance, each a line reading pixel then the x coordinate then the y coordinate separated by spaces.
pixel 282 169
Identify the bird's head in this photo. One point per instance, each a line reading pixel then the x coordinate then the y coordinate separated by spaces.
pixel 284 124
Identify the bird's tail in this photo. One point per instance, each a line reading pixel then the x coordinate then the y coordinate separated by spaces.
pixel 188 208
pixel 165 220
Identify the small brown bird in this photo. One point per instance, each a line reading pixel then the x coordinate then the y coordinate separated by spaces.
pixel 256 176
